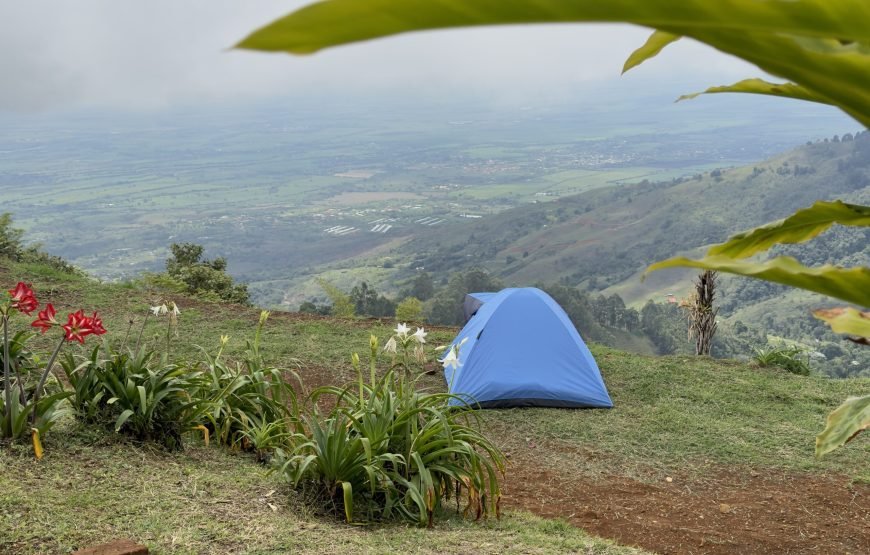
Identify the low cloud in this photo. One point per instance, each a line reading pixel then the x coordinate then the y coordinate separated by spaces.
pixel 150 55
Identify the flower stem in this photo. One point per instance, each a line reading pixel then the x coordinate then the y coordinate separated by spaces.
pixel 45 377
pixel 127 335
pixel 142 329
pixel 19 381
pixel 6 388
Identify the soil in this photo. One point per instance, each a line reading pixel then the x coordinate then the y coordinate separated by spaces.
pixel 725 511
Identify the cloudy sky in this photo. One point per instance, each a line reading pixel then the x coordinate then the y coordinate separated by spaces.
pixel 155 54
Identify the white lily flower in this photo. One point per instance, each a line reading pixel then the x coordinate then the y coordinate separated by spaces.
pixel 402 330
pixel 420 336
pixel 155 310
pixel 390 347
pixel 450 360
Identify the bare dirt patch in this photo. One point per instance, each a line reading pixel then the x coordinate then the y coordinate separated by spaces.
pixel 726 511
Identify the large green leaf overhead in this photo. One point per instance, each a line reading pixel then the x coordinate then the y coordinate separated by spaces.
pixel 848 284
pixel 800 226
pixel 823 46
pixel 760 86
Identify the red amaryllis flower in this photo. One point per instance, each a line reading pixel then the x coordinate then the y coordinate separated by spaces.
pixel 78 326
pixel 45 319
pixel 97 325
pixel 23 298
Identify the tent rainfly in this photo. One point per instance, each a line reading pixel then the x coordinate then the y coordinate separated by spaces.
pixel 520 349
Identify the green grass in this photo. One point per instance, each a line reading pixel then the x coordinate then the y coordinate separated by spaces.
pixel 91 488
pixel 685 414
pixel 682 416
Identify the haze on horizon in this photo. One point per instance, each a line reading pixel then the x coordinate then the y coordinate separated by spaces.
pixel 102 54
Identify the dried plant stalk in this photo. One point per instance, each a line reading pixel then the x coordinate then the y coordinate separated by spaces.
pixel 700 312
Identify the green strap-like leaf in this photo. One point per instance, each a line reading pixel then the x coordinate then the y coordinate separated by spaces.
pixel 797 228
pixel 336 22
pixel 848 284
pixel 653 45
pixel 347 489
pixel 122 418
pixel 843 424
pixel 846 320
pixel 760 86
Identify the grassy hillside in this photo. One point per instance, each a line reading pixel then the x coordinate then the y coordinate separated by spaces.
pixel 605 237
pixel 706 431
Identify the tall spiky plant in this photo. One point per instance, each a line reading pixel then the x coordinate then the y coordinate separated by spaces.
pixel 700 312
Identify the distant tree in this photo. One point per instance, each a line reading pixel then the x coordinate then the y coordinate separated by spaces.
pixel 342 305
pixel 308 307
pixel 446 306
pixel 368 302
pixel 409 310
pixel 205 278
pixel 663 325
pixel 423 287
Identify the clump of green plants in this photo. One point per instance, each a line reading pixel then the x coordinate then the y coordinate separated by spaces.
pixel 28 406
pixel 791 359
pixel 139 394
pixel 148 397
pixel 252 406
pixel 387 449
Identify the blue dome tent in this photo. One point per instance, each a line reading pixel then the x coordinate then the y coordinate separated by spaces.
pixel 520 349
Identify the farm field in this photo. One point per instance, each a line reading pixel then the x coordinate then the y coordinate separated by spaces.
pixel 283 191
pixel 697 454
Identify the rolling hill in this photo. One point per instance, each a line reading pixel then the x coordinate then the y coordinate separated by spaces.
pixel 603 238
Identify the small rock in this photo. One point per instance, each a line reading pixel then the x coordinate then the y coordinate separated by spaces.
pixel 724 508
pixel 669 479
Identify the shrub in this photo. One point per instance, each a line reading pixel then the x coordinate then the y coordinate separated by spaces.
pixel 12 247
pixel 342 305
pixel 409 310
pixel 790 359
pixel 204 278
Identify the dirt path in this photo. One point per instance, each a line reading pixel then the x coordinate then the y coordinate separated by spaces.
pixel 724 512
